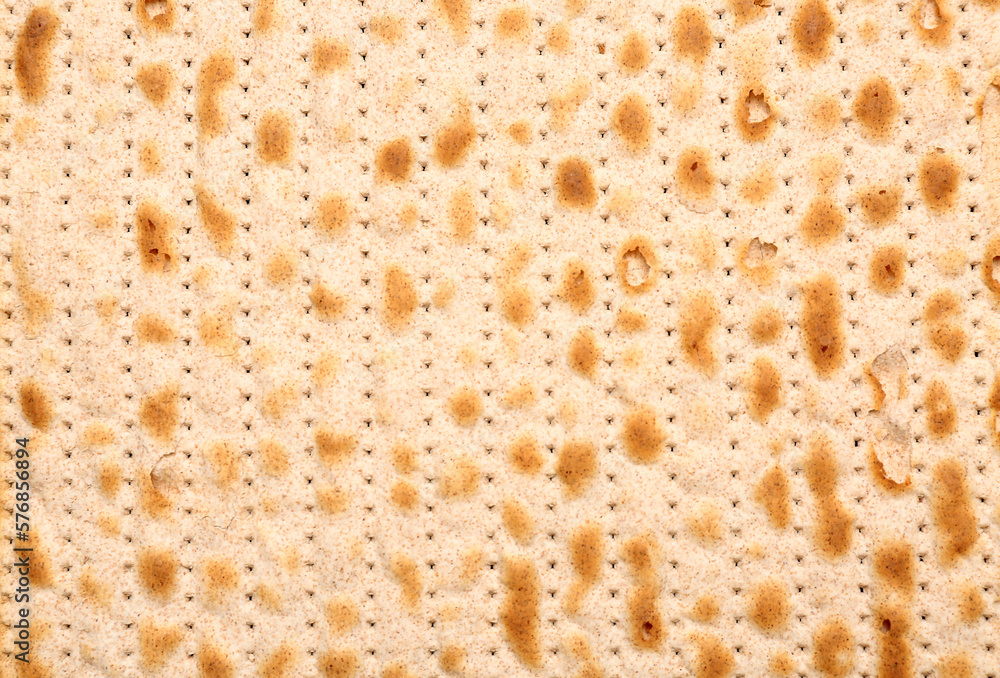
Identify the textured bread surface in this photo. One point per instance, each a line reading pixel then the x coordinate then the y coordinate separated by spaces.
pixel 415 338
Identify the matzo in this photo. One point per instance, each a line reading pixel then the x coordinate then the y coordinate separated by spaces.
pixel 573 339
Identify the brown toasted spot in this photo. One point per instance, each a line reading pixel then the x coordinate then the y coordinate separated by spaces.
pixel 705 609
pixel 157 570
pixel 754 116
pixel 695 177
pixel 387 28
pixel 394 161
pixel 747 11
pixel 155 81
pixel 334 447
pixel 645 622
pixel 705 523
pixel 462 215
pixel 159 414
pixel 875 108
pixel 769 606
pixel 642 435
pixel 157 643
pixel 822 323
pixel 632 122
pixel 756 260
pixel 895 658
pixel 465 406
pixel 575 184
pixel 893 565
pixel 517 303
pixel 334 212
pixel 577 287
pixel 833 521
pixel 558 37
pixel 404 458
pixel 969 602
pixel 763 389
pixel 109 478
pixel 217 72
pixel 766 325
pixel 400 297
pixel 520 132
pixel 957 665
pixel 150 157
pixel 758 186
pixel 280 663
pixel 517 520
pixel 631 319
pixel 339 663
pixel 98 435
pixel 583 352
pixel 520 396
pixel 281 267
pixel 991 266
pixel 341 614
pixel 833 648
pixel 36 406
pixel 157 15
pixel 781 665
pixel 329 55
pixel 219 579
pixel 219 222
pixel 637 264
pixel 698 323
pixel 525 455
pixel 404 569
pixel 823 221
pixel 938 181
pixel 772 494
pixel 692 39
pixel 577 466
pixel 155 239
pixel 956 531
pixel 824 113
pixel 453 141
pixel 513 24
pixel 714 658
pixel 404 495
pixel 948 339
pixel 460 478
pixel 213 662
pixel 520 612
pixel 633 55
pixel 153 502
pixel 273 457
pixel 328 304
pixel 215 329
pixel 812 28
pixel 222 457
pixel 32 56
pixel 566 102
pixel 332 499
pixel 887 269
pixel 456 14
pixel 274 137
pixel 941 414
pixel 586 553
pixel 452 659
pixel 932 21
